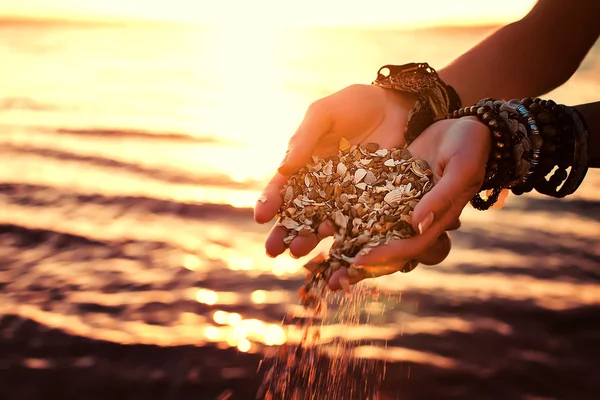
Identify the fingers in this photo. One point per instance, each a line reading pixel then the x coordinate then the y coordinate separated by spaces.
pixel 316 123
pixel 457 185
pixel 274 244
pixel 427 250
pixel 302 245
pixel 265 211
pixel 437 252
pixel 433 255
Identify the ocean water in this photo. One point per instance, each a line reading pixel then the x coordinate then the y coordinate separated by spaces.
pixel 130 265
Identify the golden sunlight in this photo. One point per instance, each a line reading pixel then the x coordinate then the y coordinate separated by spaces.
pixel 261 13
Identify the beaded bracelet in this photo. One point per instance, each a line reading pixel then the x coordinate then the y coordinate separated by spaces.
pixel 502 160
pixel 565 145
pixel 542 136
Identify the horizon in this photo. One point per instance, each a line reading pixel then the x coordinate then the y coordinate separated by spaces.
pixel 270 13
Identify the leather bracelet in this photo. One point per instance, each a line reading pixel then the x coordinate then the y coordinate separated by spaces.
pixel 434 101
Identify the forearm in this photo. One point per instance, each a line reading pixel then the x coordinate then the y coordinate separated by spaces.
pixel 591 114
pixel 529 57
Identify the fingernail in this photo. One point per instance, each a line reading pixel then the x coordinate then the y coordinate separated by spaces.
pixel 345 283
pixel 426 222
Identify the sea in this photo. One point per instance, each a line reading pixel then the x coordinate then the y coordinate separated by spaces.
pixel 131 267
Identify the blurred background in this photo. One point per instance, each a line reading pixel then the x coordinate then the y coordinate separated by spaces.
pixel 136 136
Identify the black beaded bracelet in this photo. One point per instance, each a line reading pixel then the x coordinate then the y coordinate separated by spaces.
pixel 501 161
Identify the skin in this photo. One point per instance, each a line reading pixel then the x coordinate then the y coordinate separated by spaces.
pixel 457 150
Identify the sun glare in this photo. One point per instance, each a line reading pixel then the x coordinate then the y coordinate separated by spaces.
pixel 263 13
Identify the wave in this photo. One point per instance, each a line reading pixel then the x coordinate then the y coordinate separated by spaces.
pixel 171 176
pixel 24 103
pixel 132 133
pixel 45 196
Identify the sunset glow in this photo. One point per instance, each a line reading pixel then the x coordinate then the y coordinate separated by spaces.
pixel 284 13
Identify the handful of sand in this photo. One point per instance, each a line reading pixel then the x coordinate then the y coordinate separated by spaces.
pixel 369 193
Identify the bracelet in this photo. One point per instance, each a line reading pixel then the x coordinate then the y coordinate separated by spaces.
pixel 530 139
pixel 564 145
pixel 435 99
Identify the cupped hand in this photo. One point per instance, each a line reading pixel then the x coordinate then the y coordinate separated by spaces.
pixel 457 152
pixel 358 113
pixel 456 149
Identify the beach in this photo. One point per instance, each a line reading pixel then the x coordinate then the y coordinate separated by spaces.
pixel 130 264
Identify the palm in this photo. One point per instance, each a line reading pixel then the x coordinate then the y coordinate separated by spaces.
pixel 362 114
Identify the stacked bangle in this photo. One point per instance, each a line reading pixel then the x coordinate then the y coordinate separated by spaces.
pixel 530 139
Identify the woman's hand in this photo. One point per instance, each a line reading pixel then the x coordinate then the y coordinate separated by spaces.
pixel 456 149
pixel 359 113
pixel 457 152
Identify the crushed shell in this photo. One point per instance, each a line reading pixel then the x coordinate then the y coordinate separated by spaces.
pixel 370 199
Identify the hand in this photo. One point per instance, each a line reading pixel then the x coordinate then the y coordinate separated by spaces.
pixel 457 152
pixel 359 113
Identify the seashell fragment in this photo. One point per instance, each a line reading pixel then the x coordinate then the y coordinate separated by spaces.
pixel 341 169
pixel 390 163
pixel 369 178
pixel 307 181
pixel 344 145
pixel 340 219
pixel 361 186
pixel 359 175
pixel 289 223
pixel 289 194
pixel 395 196
pixel 372 147
pixel 381 152
pixel 328 169
pixel 288 239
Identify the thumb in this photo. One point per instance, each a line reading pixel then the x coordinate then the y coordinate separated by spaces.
pixel 316 123
pixel 460 181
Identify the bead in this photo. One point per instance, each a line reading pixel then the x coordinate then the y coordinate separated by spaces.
pixel 493 123
pixel 535 108
pixel 461 113
pixel 548 148
pixel 497 134
pixel 557 109
pixel 488 116
pixel 544 118
pixel 548 131
pixel 499 145
pixel 550 104
pixel 482 110
pixel 473 110
pixel 518 190
pixel 497 155
pixel 527 101
pixel 543 103
pixel 506 163
pixel 536 141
